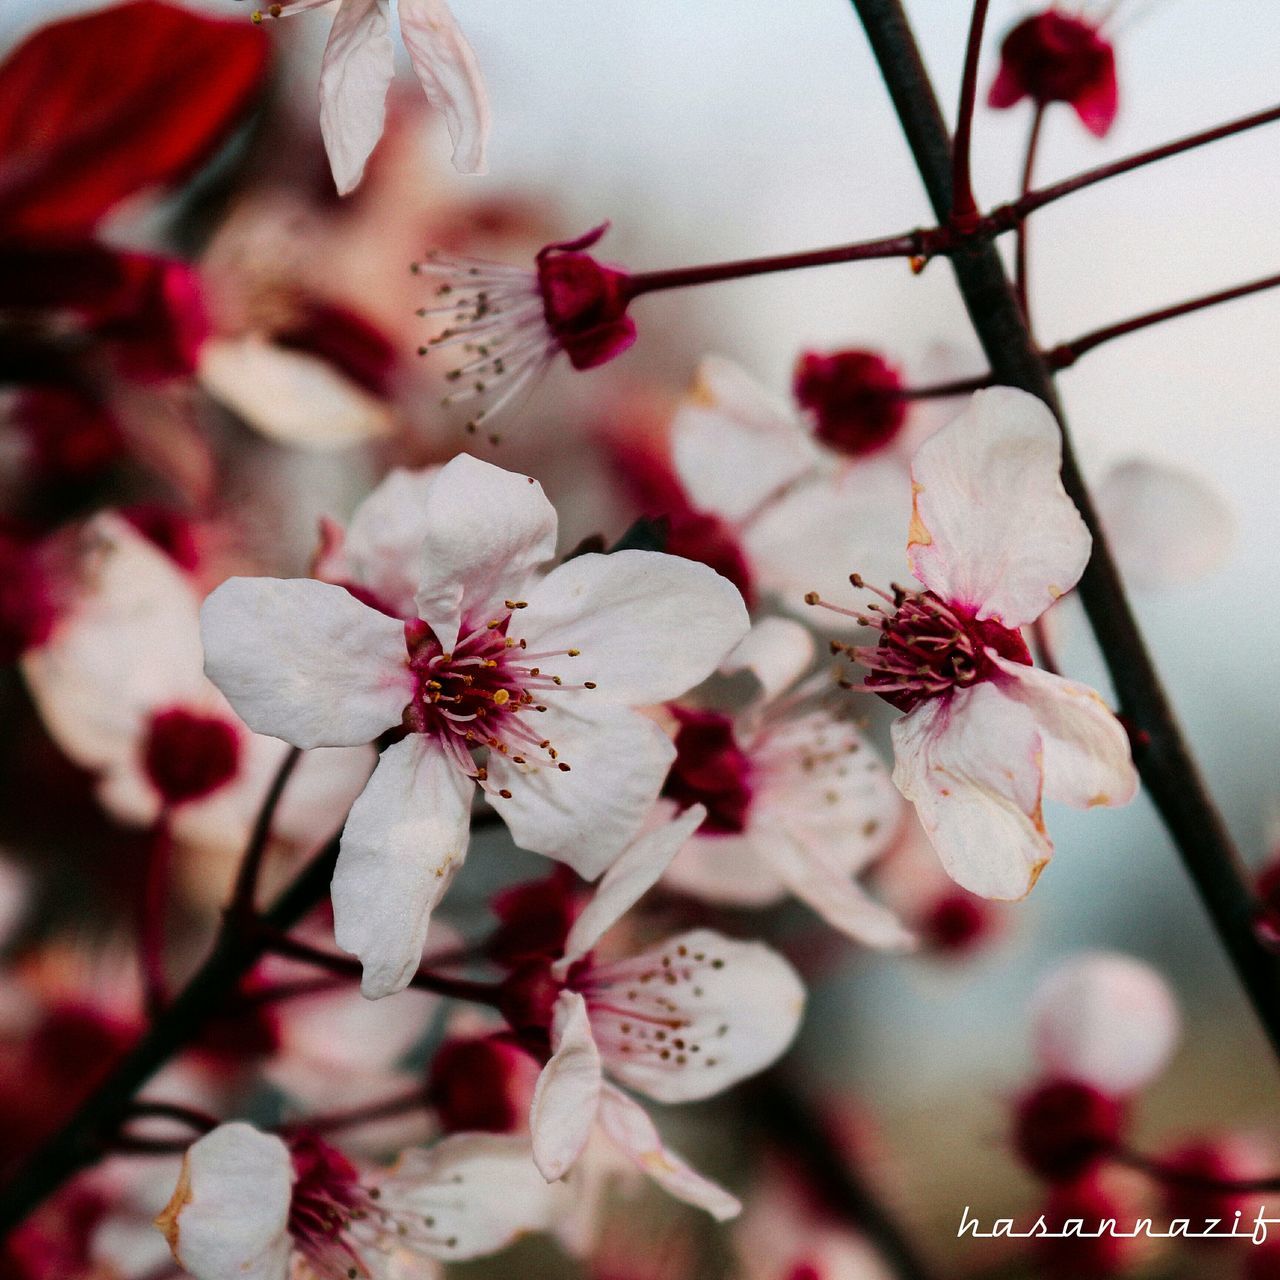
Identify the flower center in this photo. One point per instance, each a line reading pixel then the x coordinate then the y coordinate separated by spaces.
pixel 189 756
pixel 327 1198
pixel 483 694
pixel 710 769
pixel 854 397
pixel 927 647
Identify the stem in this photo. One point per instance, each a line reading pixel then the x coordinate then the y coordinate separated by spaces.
pixel 941 390
pixel 155 892
pixel 1066 354
pixel 1170 1175
pixel 915 244
pixel 964 208
pixel 389 1108
pixel 145 1109
pixel 424 980
pixel 1022 232
pixel 796 1128
pixel 1164 760
pixel 245 894
pixel 82 1139
pixel 1011 214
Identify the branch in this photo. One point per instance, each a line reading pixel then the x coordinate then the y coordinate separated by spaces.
pixel 1164 760
pixel 245 894
pixel 964 208
pixel 82 1139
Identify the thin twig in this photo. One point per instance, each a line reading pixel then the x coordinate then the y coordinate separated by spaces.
pixel 964 207
pixel 1022 231
pixel 244 896
pixel 151 919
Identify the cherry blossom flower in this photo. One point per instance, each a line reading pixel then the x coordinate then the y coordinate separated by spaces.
pixel 1103 1026
pixel 119 686
pixel 797 800
pixel 853 396
pixel 795 510
pixel 467 655
pixel 359 65
pixel 255 1205
pixel 511 322
pixel 986 737
pixel 1059 57
pixel 677 1023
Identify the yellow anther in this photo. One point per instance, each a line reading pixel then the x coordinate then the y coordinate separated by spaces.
pixel 501 697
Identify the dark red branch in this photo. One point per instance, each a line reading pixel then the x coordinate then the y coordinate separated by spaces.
pixel 245 894
pixel 964 206
pixel 1020 250
pixel 151 921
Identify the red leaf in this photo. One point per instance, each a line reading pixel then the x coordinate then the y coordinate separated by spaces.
pixel 98 107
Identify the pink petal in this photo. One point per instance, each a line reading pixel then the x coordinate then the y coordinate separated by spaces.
pixel 567 1095
pixel 971 765
pixel 992 528
pixel 1105 1019
pixel 359 63
pixel 446 68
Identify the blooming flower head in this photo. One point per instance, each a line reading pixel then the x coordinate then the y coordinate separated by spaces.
pixel 448 630
pixel 1059 57
pixel 797 800
pixel 511 322
pixel 792 509
pixel 993 542
pixel 359 65
pixel 678 1022
pixel 118 683
pixel 1103 1026
pixel 853 397
pixel 255 1205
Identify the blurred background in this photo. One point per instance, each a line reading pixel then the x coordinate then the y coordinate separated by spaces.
pixel 722 130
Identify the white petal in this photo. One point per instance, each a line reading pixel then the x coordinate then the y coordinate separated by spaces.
pixel 359 62
pixel 1106 1019
pixel 840 900
pixel 628 880
pixel 567 1095
pixel 727 414
pixel 305 661
pixel 1087 761
pixel 618 761
pixel 290 396
pixel 1166 525
pixel 229 1213
pixel 824 528
pixel 480 1189
pixel 739 1002
pixel 777 651
pixel 628 1126
pixel 446 68
pixel 992 528
pixel 403 843
pixel 484 531
pixel 382 548
pixel 127 644
pixel 972 766
pixel 648 626
pixel 733 870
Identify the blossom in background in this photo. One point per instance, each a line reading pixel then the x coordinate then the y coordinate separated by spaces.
pixel 511 322
pixel 797 510
pixel 449 630
pixel 678 1022
pixel 359 65
pixel 119 686
pixel 986 737
pixel 797 800
pixel 1059 57
pixel 252 1204
pixel 1103 1026
pixel 854 398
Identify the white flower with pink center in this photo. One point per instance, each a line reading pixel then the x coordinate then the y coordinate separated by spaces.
pixel 254 1205
pixel 359 65
pixel 120 688
pixel 994 541
pixel 797 800
pixel 493 672
pixel 677 1023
